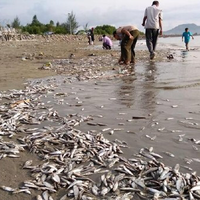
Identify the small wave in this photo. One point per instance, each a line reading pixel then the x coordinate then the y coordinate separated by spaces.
pixel 178 86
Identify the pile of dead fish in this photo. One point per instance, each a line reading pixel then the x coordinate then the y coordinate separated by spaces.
pixel 91 67
pixel 70 158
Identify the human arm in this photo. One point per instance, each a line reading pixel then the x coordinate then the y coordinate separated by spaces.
pixel 160 25
pixel 144 20
pixel 182 36
pixel 124 31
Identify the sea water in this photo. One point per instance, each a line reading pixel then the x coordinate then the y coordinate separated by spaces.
pixel 177 43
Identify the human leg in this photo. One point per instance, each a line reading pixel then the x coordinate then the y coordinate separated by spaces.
pixel 149 40
pixel 89 40
pixel 92 39
pixel 155 33
pixel 135 34
pixel 186 45
pixel 123 50
pixel 126 45
pixel 104 45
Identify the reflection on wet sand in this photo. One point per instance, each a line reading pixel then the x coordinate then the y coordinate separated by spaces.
pixel 184 54
pixel 148 96
pixel 127 93
pixel 133 91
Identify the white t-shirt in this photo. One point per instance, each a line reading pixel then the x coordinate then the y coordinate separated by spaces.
pixel 153 14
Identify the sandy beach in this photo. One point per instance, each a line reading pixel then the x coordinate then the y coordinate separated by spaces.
pixel 149 105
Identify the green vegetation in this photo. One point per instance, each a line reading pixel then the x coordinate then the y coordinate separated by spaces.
pixel 69 27
pixel 16 23
pixel 105 29
pixel 36 27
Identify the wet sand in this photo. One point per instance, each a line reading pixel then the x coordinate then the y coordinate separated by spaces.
pixel 164 92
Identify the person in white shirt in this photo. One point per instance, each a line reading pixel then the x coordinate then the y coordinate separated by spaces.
pixel 153 24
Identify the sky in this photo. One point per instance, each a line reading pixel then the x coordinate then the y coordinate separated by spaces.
pixel 99 12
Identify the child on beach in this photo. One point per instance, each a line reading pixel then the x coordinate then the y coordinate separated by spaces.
pixel 186 35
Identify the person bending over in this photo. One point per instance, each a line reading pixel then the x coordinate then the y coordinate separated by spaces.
pixel 128 36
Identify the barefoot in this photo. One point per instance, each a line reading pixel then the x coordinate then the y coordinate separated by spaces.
pixel 127 63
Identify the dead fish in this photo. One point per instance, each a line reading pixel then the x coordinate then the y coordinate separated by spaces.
pixel 151 138
pixel 169 154
pixel 196 159
pixel 154 191
pixel 27 164
pixel 101 124
pixel 164 173
pixel 174 106
pixel 156 155
pixel 91 124
pixel 38 197
pixel 176 131
pixel 161 129
pixel 56 178
pixel 64 197
pixel 138 117
pixel 170 118
pixel 25 190
pixel 104 191
pixel 75 183
pixel 76 192
pixel 106 129
pixel 45 195
pixel 195 188
pixel 95 190
pixel 8 189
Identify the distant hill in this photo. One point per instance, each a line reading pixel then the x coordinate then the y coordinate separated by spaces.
pixel 178 30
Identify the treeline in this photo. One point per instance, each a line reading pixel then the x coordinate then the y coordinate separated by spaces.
pixel 36 27
pixel 69 27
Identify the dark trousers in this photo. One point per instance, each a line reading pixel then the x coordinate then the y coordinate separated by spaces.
pixel 106 46
pixel 151 39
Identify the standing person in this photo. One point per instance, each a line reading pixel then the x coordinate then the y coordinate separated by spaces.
pixel 107 42
pixel 153 22
pixel 186 35
pixel 128 36
pixel 90 35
